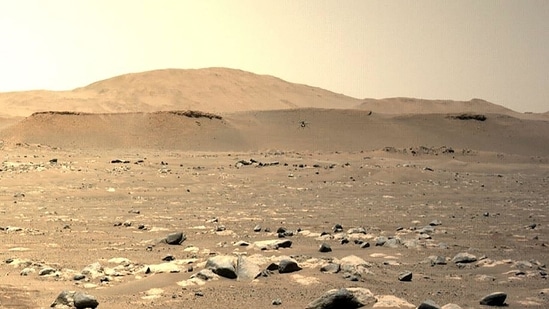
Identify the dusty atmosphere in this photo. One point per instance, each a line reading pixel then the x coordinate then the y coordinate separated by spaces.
pixel 220 188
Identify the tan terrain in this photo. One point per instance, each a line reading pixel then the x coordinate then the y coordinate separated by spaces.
pixel 90 191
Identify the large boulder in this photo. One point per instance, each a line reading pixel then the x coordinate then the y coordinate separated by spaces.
pixel 343 298
pixel 175 238
pixel 73 299
pixel 223 265
pixel 246 270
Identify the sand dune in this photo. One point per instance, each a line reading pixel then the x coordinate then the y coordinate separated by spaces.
pixel 421 106
pixel 324 129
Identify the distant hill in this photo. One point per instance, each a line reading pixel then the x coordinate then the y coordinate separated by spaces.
pixel 403 106
pixel 218 90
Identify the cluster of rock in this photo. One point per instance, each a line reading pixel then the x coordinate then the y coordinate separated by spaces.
pixel 254 162
pixel 245 267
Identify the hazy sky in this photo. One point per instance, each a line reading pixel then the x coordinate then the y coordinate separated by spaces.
pixel 497 50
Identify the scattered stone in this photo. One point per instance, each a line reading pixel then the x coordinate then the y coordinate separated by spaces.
pixel 175 238
pixel 343 298
pixel 168 258
pixel 288 266
pixel 338 228
pixel 324 247
pixel 276 302
pixel 257 228
pixel 73 299
pixel 365 245
pixel 435 223
pixel 78 277
pixel 223 265
pixel 405 276
pixel 494 299
pixel 464 257
pixel 428 304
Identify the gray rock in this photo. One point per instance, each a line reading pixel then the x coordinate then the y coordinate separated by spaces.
pixel 222 265
pixel 494 299
pixel 46 271
pixel 392 243
pixel 330 268
pixel 74 299
pixel 428 304
pixel 357 230
pixel 405 276
pixel 288 266
pixel 464 257
pixel 82 300
pixel 435 223
pixel 276 302
pixel 175 238
pixel 365 245
pixel 427 230
pixel 324 247
pixel 272 244
pixel 381 240
pixel 246 270
pixel 343 298
pixel 436 260
pixel 257 228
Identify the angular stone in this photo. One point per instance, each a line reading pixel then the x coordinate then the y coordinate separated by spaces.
pixel 405 276
pixel 494 299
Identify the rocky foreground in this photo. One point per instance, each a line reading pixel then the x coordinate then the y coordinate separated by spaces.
pixel 383 229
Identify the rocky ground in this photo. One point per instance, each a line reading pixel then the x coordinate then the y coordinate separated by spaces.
pixel 392 228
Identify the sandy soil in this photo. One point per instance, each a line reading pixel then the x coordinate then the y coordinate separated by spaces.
pixel 66 212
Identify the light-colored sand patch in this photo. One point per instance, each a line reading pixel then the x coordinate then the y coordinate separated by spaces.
pixel 305 280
